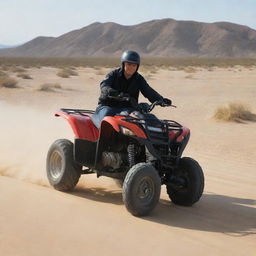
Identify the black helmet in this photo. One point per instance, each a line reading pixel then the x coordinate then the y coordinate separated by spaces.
pixel 130 56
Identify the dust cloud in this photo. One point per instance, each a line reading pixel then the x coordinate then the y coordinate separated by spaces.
pixel 25 136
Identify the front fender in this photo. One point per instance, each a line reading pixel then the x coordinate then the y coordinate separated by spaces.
pixel 109 126
pixel 116 122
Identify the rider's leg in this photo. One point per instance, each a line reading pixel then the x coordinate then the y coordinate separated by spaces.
pixel 102 111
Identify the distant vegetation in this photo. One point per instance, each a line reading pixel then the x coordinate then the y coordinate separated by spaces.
pixel 17 69
pixel 67 72
pixel 6 81
pixel 49 87
pixel 234 112
pixel 24 76
pixel 7 63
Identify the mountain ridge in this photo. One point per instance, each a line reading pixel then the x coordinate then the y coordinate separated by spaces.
pixel 155 38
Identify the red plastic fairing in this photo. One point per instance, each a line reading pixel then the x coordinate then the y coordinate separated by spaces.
pixel 185 132
pixel 117 121
pixel 82 126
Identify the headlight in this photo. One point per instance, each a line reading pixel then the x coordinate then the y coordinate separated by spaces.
pixel 126 131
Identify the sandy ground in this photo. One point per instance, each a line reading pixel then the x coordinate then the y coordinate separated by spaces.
pixel 37 220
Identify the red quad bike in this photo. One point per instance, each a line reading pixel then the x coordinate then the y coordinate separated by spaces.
pixel 136 148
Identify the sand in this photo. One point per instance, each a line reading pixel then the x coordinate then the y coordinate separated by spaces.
pixel 92 220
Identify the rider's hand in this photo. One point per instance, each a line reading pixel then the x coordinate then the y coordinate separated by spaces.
pixel 166 102
pixel 144 107
pixel 112 92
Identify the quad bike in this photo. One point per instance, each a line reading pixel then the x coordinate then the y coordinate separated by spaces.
pixel 136 148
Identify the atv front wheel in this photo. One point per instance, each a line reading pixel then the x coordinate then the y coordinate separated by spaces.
pixel 62 171
pixel 141 189
pixel 191 183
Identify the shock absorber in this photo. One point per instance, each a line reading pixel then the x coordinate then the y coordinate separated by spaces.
pixel 131 154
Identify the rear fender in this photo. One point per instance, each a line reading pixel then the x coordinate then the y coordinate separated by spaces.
pixel 82 126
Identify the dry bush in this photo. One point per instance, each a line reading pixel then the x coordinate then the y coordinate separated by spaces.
pixel 100 72
pixel 49 87
pixel 234 112
pixel 24 76
pixel 7 82
pixel 153 69
pixel 18 70
pixel 66 73
pixel 189 77
pixel 4 172
pixel 4 67
pixel 190 70
pixel 2 73
pixel 63 74
pixel 26 66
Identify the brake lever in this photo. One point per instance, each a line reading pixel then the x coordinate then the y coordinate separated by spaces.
pixel 166 105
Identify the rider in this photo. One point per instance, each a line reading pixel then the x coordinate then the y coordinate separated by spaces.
pixel 129 82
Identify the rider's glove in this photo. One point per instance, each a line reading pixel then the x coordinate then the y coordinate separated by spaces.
pixel 112 92
pixel 166 102
pixel 144 107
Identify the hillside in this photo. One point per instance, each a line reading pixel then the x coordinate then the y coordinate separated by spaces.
pixel 166 37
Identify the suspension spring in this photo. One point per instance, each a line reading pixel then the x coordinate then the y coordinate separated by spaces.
pixel 131 154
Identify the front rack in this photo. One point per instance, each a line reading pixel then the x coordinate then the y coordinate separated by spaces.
pixel 157 130
pixel 168 124
pixel 163 147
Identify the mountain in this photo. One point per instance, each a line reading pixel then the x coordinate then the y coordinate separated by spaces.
pixel 166 38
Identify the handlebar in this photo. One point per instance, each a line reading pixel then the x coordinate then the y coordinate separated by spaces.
pixel 123 97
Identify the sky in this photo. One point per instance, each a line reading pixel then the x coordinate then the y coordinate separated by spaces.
pixel 23 20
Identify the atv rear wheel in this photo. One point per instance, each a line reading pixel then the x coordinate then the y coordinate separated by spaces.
pixel 62 171
pixel 141 189
pixel 191 188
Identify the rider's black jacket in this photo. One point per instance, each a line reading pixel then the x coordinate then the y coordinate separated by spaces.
pixel 133 86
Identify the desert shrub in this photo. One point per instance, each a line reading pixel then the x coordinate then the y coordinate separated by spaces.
pixel 100 72
pixel 234 112
pixel 67 72
pixel 189 77
pixel 26 66
pixel 114 62
pixel 18 70
pixel 190 69
pixel 2 73
pixel 4 67
pixel 49 87
pixel 7 82
pixel 63 73
pixel 24 76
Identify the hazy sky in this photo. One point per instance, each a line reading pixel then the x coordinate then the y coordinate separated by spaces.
pixel 23 20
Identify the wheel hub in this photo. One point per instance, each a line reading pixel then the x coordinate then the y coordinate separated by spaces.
pixel 55 164
pixel 145 189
